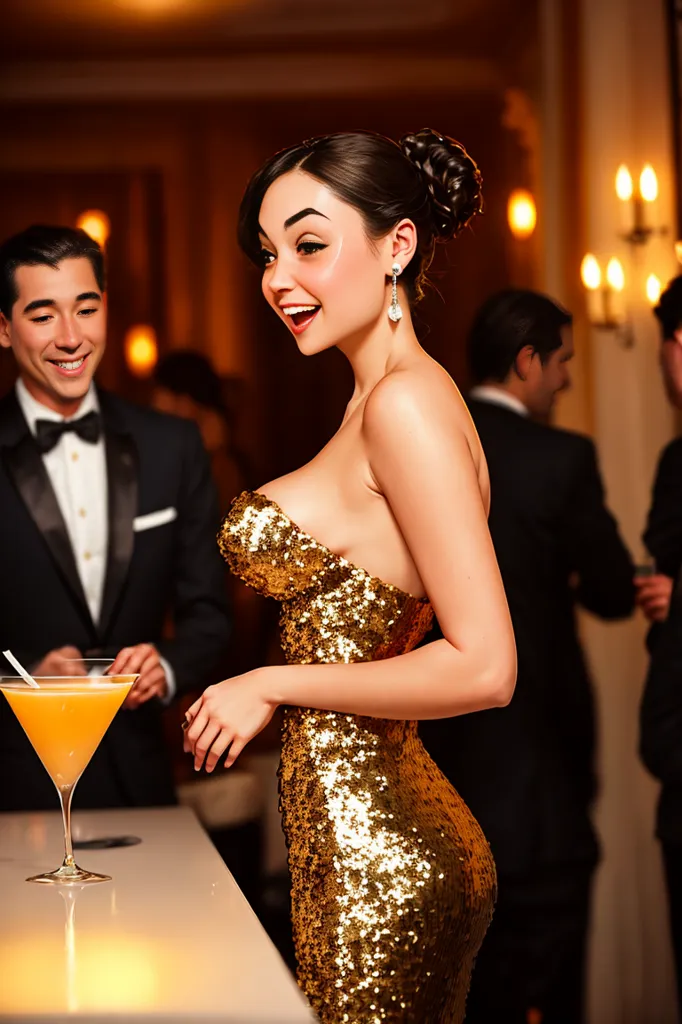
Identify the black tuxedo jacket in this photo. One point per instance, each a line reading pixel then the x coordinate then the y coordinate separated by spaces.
pixel 526 770
pixel 153 462
pixel 661 721
pixel 663 534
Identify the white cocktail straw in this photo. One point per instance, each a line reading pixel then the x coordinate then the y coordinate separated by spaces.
pixel 21 670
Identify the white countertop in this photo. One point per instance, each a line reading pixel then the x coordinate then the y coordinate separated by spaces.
pixel 170 939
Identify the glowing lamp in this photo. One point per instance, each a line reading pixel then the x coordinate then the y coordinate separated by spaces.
pixel 141 350
pixel 615 275
pixel 96 224
pixel 648 184
pixel 623 184
pixel 521 213
pixel 653 289
pixel 590 272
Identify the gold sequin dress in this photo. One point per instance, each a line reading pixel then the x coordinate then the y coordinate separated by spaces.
pixel 393 882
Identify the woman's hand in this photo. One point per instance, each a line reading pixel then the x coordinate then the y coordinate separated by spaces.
pixel 228 714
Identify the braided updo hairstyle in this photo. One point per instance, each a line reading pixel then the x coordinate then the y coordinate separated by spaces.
pixel 428 178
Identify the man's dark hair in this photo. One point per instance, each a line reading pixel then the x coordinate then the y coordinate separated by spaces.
pixel 668 312
pixel 505 324
pixel 44 245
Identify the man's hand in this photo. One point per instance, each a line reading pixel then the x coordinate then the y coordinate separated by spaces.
pixel 59 663
pixel 143 658
pixel 653 596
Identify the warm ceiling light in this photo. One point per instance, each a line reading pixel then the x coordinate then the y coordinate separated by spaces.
pixel 521 213
pixel 623 184
pixel 653 289
pixel 678 251
pixel 141 350
pixel 648 184
pixel 615 274
pixel 590 272
pixel 96 224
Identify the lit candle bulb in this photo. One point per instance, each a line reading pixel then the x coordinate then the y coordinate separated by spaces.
pixel 648 190
pixel 624 189
pixel 590 273
pixel 615 280
pixel 653 289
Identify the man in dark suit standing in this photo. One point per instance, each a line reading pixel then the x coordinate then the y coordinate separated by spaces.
pixel 661 751
pixel 109 518
pixel 661 712
pixel 527 770
pixel 663 534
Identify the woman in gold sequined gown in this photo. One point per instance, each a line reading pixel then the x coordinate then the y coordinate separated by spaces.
pixel 392 880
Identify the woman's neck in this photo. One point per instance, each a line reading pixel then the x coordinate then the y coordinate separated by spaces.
pixel 379 351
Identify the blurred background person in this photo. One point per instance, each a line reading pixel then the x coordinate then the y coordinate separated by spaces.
pixel 663 534
pixel 109 517
pixel 527 770
pixel 185 384
pixel 661 751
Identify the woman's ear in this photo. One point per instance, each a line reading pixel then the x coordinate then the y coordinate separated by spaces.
pixel 403 243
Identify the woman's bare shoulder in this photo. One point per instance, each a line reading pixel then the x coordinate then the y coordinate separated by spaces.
pixel 419 391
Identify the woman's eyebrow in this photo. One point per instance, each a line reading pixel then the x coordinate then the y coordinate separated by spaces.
pixel 290 221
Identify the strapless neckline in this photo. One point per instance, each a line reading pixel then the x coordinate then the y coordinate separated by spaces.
pixel 332 554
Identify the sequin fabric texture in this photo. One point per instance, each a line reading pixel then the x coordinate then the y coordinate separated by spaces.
pixel 393 882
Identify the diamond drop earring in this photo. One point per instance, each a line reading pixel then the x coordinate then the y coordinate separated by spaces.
pixel 395 313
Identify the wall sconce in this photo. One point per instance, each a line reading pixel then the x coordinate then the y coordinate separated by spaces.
pixel 638 210
pixel 141 350
pixel 605 298
pixel 96 224
pixel 521 213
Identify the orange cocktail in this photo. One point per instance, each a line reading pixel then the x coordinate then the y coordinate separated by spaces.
pixel 65 720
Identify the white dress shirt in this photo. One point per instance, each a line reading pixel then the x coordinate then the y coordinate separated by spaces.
pixel 78 474
pixel 77 471
pixel 496 396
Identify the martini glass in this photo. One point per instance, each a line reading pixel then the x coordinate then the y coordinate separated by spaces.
pixel 65 720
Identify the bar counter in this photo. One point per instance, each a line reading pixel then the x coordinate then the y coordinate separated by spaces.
pixel 169 939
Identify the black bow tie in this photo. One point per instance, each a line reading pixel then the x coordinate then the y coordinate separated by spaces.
pixel 48 432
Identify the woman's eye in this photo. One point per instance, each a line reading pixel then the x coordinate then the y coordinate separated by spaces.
pixel 308 248
pixel 88 311
pixel 267 257
pixel 41 319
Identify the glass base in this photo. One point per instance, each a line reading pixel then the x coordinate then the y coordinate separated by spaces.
pixel 69 875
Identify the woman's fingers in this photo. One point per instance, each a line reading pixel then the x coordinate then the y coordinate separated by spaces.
pixel 218 748
pixel 204 744
pixel 235 750
pixel 197 726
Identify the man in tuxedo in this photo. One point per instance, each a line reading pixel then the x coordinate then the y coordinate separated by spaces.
pixel 663 534
pixel 526 771
pixel 109 518
pixel 661 751
pixel 661 712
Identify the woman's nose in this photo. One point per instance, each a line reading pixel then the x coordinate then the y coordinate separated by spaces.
pixel 281 278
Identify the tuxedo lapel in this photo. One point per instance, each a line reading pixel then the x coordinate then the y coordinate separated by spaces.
pixel 122 481
pixel 25 468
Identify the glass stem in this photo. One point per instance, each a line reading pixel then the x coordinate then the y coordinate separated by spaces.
pixel 65 800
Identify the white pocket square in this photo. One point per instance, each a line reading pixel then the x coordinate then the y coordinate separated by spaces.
pixel 152 519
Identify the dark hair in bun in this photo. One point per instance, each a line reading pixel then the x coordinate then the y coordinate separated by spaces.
pixel 429 179
pixel 452 178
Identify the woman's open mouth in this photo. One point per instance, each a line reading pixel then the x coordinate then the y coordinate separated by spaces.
pixel 300 317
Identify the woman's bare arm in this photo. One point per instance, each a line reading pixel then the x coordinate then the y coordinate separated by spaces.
pixel 422 463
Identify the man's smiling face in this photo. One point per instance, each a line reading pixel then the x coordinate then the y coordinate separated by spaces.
pixel 57 331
